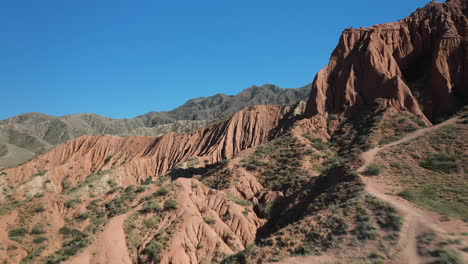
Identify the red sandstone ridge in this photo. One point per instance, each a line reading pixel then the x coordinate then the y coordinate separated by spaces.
pixel 140 157
pixel 419 64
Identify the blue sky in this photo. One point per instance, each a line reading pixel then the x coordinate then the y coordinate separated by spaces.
pixel 125 58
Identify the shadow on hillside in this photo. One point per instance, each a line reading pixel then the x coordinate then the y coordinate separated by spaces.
pixel 191 172
pixel 335 186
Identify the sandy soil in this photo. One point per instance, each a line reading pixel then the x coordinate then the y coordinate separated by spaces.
pixel 108 248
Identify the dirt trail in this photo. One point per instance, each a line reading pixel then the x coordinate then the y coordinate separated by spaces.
pixel 108 248
pixel 416 220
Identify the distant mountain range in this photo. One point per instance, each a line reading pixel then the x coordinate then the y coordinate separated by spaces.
pixel 24 136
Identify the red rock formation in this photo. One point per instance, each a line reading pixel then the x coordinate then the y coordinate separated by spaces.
pixel 140 157
pixel 419 64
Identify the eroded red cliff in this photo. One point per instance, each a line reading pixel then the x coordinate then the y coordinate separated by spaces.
pixel 139 157
pixel 419 64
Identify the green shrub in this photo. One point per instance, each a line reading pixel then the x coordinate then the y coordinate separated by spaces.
pixel 441 162
pixel 82 216
pixel 372 169
pixel 152 250
pixel 209 220
pixel 148 181
pixel 161 192
pixel 150 207
pixel 240 257
pixel 112 183
pixel 450 256
pixel 150 222
pixel 37 230
pixel 120 205
pixel 73 202
pixel 39 209
pixel 18 232
pixel 375 255
pixel 238 200
pixel 31 256
pixel 319 144
pixel 366 231
pixel 66 183
pixel 40 239
pixel 170 205
pixel 408 194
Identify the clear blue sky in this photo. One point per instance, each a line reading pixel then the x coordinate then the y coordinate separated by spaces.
pixel 125 58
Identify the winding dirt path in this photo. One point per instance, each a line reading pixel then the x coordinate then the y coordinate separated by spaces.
pixel 369 155
pixel 416 220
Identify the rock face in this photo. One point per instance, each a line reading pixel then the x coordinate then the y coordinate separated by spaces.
pixel 419 64
pixel 140 157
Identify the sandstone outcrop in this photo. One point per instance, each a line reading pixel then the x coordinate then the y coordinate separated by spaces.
pixel 419 64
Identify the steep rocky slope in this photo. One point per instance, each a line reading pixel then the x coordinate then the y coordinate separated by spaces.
pixel 24 136
pixel 418 64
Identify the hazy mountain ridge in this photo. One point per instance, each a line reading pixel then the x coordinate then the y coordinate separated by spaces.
pixel 25 135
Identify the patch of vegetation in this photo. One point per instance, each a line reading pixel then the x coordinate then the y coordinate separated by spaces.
pixel 442 162
pixel 97 215
pixel 442 187
pixel 17 234
pixel 39 209
pixel 170 205
pixel 6 208
pixel 120 205
pixel 396 126
pixel 88 181
pixel 364 230
pixel 66 183
pixel 75 241
pixel 138 228
pixel 148 181
pixel 238 200
pixel 423 241
pixel 279 163
pixel 241 257
pixel 151 206
pixel 150 222
pixel 209 220
pixel 356 133
pixel 73 203
pixel 30 258
pixel 112 183
pixel 152 250
pixel 37 230
pixel 437 198
pixel 449 256
pixel 373 169
pixel 82 216
pixel 40 173
pixel 40 239
pixel 219 181
pixel 387 216
pixel 161 192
